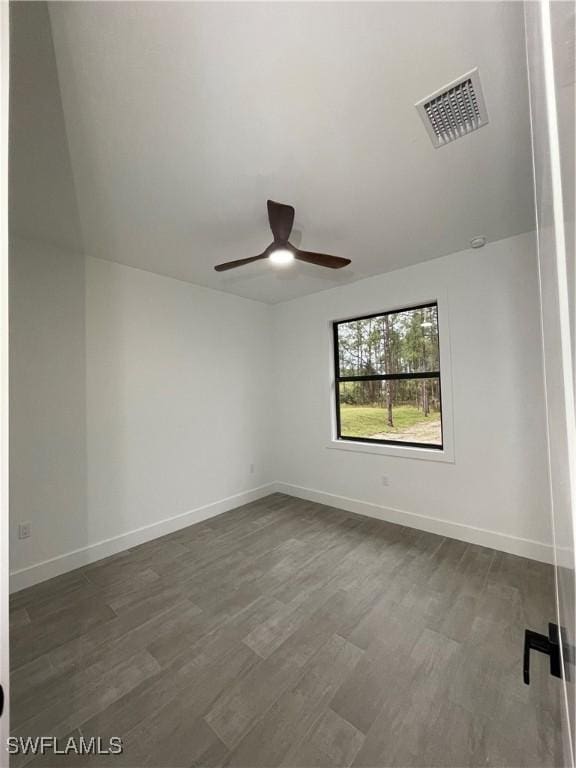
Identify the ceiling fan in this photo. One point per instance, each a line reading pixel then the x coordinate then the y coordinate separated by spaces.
pixel 280 251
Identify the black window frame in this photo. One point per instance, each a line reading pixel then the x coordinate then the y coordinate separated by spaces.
pixel 386 377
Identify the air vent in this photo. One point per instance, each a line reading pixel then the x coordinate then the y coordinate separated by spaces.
pixel 454 110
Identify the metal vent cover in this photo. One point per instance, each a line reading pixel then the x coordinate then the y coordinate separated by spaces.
pixel 455 110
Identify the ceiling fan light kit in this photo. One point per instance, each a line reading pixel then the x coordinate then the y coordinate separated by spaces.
pixel 281 252
pixel 281 256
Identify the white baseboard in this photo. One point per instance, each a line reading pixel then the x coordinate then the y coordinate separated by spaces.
pixel 55 566
pixel 535 550
pixel 47 569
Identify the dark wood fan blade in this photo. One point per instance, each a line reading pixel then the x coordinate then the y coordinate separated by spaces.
pixel 239 262
pixel 281 218
pixel 321 259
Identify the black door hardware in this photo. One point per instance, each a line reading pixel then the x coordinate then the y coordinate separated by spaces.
pixel 549 645
pixel 1 699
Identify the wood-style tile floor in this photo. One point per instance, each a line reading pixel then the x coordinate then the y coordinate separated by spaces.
pixel 289 633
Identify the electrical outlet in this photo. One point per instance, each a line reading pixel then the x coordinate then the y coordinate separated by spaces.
pixel 24 530
pixel 385 480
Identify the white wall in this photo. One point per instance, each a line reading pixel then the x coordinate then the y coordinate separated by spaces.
pixel 498 481
pixel 135 399
pixel 178 397
pixel 47 305
pixel 47 401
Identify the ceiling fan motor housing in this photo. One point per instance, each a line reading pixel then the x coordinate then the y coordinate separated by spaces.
pixel 281 218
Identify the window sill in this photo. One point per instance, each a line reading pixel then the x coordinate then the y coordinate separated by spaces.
pixel 397 451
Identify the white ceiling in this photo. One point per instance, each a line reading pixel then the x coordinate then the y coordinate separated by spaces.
pixel 183 118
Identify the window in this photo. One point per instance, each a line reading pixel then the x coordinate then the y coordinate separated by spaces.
pixel 388 378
